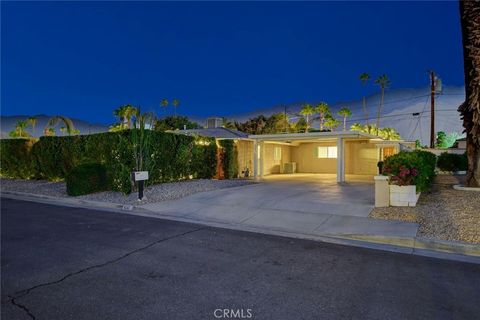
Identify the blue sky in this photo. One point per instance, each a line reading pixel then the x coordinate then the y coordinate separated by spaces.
pixel 85 59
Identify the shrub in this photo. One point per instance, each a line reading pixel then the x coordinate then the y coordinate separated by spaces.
pixel 452 162
pixel 415 167
pixel 229 159
pixel 17 160
pixel 87 178
pixel 171 157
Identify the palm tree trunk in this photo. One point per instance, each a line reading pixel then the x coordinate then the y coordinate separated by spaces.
pixel 380 108
pixel 365 110
pixel 470 109
pixel 344 123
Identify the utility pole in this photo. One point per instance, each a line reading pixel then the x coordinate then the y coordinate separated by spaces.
pixel 432 109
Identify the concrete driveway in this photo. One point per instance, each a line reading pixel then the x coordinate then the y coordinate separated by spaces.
pixel 307 204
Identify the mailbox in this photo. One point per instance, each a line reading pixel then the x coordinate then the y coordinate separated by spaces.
pixel 140 175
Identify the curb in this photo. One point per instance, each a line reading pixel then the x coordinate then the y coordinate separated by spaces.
pixel 448 250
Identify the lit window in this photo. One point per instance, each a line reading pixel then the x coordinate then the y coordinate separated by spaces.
pixel 277 153
pixel 326 152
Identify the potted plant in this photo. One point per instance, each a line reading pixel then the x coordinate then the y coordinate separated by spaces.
pixel 403 191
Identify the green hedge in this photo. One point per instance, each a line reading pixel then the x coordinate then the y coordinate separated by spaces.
pixel 452 162
pixel 423 161
pixel 229 159
pixel 87 178
pixel 16 159
pixel 171 157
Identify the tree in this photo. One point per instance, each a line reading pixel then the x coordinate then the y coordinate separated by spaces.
pixel 300 125
pixel 254 125
pixel 164 105
pixel 445 141
pixel 331 123
pixel 228 124
pixel 364 77
pixel 175 105
pixel 174 123
pixel 323 110
pixel 307 111
pixel 52 122
pixel 33 122
pixel 126 114
pixel 345 113
pixel 276 123
pixel 49 131
pixel 63 130
pixel 389 134
pixel 470 109
pixel 20 130
pixel 384 83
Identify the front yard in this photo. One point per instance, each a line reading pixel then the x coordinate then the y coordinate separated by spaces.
pixel 443 213
pixel 153 193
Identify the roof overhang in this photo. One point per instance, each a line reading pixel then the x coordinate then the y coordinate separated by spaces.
pixel 313 136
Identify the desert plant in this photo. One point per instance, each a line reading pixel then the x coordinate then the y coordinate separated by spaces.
pixel 345 113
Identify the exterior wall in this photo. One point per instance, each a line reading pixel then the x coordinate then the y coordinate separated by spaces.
pixel 307 162
pixel 275 166
pixel 245 157
pixel 361 157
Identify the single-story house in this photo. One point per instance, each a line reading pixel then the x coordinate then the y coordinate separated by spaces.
pixel 340 153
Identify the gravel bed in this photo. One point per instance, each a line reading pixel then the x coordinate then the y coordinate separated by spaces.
pixel 153 193
pixel 443 213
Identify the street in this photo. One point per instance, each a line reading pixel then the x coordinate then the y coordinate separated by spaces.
pixel 73 263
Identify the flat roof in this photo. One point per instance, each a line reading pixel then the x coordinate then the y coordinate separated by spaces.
pixel 314 135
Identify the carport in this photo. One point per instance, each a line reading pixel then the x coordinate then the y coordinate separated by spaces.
pixel 338 153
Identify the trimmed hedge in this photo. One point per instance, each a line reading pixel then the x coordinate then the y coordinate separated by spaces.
pixel 423 161
pixel 17 160
pixel 87 178
pixel 172 157
pixel 452 162
pixel 229 159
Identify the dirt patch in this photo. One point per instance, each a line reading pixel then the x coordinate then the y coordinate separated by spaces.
pixel 443 213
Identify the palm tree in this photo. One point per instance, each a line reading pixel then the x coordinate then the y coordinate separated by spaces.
pixel 331 123
pixel 164 105
pixel 345 112
pixel 63 130
pixel 33 122
pixel 389 134
pixel 470 109
pixel 384 83
pixel 307 111
pixel 175 104
pixel 126 113
pixel 364 77
pixel 52 122
pixel 323 110
pixel 20 130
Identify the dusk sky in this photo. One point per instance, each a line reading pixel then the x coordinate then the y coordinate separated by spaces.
pixel 85 59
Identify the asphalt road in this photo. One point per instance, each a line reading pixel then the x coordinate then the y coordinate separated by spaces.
pixel 72 263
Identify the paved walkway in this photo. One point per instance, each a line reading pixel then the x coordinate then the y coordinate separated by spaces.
pixel 304 204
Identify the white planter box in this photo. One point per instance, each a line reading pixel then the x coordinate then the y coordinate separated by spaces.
pixel 403 196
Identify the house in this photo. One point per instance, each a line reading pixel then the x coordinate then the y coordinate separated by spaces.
pixel 341 153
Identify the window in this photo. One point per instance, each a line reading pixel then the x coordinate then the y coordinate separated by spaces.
pixel 327 152
pixel 277 153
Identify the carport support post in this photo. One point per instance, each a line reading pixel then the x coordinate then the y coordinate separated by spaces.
pixel 255 160
pixel 258 155
pixel 340 160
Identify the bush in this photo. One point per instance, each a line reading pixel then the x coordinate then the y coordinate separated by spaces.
pixel 415 167
pixel 87 178
pixel 452 162
pixel 17 160
pixel 229 159
pixel 172 157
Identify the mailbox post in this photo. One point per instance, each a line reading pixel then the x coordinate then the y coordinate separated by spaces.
pixel 140 177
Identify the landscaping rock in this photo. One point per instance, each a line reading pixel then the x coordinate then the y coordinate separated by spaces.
pixel 154 193
pixel 443 213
